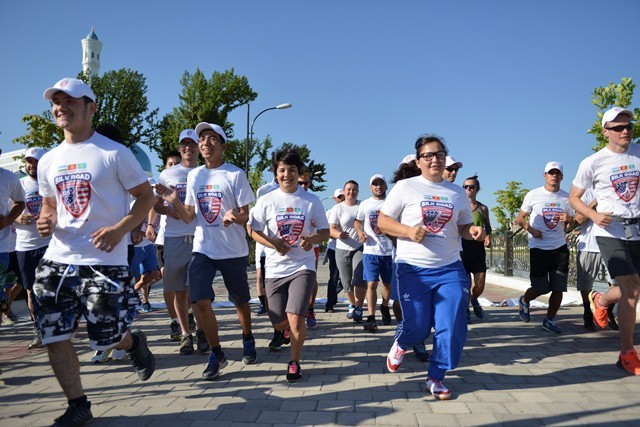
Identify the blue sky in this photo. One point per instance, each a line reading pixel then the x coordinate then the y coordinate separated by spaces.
pixel 508 84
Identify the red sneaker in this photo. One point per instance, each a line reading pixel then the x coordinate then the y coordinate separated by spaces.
pixel 600 314
pixel 394 359
pixel 629 362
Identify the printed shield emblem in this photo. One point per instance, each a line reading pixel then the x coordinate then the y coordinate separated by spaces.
pixel 373 221
pixel 551 217
pixel 209 207
pixel 75 195
pixel 34 205
pixel 626 186
pixel 436 215
pixel 289 229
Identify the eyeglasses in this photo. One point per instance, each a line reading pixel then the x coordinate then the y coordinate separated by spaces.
pixel 187 142
pixel 469 187
pixel 620 128
pixel 209 139
pixel 450 169
pixel 303 182
pixel 440 155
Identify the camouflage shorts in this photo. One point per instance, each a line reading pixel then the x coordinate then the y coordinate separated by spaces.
pixel 103 294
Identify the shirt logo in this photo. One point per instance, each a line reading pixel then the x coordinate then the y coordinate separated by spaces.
pixel 435 215
pixel 34 206
pixel 373 221
pixel 75 192
pixel 551 217
pixel 289 227
pixel 182 192
pixel 210 203
pixel 625 184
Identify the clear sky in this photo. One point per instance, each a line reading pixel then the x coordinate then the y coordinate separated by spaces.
pixel 508 84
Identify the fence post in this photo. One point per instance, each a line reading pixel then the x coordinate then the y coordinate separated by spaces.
pixel 508 253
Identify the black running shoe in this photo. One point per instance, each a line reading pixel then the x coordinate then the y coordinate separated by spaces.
pixel 386 315
pixel 186 345
pixel 294 373
pixel 201 342
pixel 213 367
pixel 357 315
pixel 370 325
pixel 249 355
pixel 276 342
pixel 588 321
pixel 75 415
pixel 175 333
pixel 421 353
pixel 141 357
pixel 477 308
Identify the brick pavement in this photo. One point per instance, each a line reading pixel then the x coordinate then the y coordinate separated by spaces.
pixel 511 374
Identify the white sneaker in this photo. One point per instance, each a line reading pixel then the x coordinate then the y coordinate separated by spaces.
pixel 394 358
pixel 437 389
pixel 118 354
pixel 101 356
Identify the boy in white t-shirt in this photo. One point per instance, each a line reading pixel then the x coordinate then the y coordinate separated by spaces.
pixel 294 221
pixel 86 182
pixel 614 174
pixel 218 197
pixel 549 217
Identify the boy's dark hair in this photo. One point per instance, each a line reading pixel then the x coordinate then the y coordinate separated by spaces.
pixel 172 153
pixel 111 131
pixel 289 156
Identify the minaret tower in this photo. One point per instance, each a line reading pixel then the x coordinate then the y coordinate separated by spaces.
pixel 91 48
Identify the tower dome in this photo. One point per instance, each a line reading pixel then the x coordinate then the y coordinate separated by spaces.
pixel 91 48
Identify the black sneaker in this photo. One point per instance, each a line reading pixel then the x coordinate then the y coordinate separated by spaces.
pixel 249 356
pixel 357 315
pixel 477 308
pixel 612 318
pixel 588 321
pixel 286 336
pixel 386 315
pixel 262 310
pixel 175 334
pixel 276 342
pixel 192 322
pixel 370 325
pixel 294 373
pixel 186 345
pixel 141 357
pixel 201 342
pixel 213 367
pixel 75 415
pixel 421 353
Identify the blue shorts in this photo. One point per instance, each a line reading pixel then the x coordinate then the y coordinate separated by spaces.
pixel 28 262
pixel 377 266
pixel 202 271
pixel 145 260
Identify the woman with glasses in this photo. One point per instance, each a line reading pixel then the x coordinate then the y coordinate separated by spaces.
pixel 429 215
pixel 474 256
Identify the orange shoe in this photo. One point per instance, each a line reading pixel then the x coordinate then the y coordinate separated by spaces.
pixel 600 314
pixel 629 362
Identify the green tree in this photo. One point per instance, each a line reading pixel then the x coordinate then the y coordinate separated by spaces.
pixel 121 100
pixel 605 97
pixel 509 202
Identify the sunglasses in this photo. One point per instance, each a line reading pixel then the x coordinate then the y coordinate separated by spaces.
pixel 440 155
pixel 620 128
pixel 303 182
pixel 450 169
pixel 469 187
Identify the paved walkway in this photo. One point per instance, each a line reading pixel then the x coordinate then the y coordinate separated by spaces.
pixel 511 374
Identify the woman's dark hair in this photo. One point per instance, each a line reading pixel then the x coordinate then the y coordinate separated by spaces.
pixel 111 131
pixel 289 156
pixel 474 178
pixel 406 170
pixel 427 139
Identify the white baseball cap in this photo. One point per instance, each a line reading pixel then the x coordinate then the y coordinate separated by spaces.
pixel 407 159
pixel 217 129
pixel 338 192
pixel 73 87
pixel 189 134
pixel 34 152
pixel 554 165
pixel 377 176
pixel 611 114
pixel 451 161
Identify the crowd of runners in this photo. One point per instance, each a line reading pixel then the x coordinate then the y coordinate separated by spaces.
pixel 93 234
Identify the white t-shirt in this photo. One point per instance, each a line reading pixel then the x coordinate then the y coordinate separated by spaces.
pixel 614 178
pixel 10 191
pixel 586 239
pixel 90 181
pixel 332 241
pixel 438 206
pixel 377 242
pixel 265 189
pixel 213 192
pixel 176 176
pixel 289 216
pixel 162 223
pixel 28 237
pixel 343 216
pixel 544 208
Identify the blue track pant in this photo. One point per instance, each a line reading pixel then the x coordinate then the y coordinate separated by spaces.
pixel 434 297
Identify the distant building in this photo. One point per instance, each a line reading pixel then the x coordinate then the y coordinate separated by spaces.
pixel 8 162
pixel 91 48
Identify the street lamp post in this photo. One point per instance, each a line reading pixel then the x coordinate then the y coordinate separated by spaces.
pixel 249 143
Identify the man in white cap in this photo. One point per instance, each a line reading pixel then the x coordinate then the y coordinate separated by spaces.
pixel 377 262
pixel 85 183
pixel 30 246
pixel 451 168
pixel 614 176
pixel 334 285
pixel 178 245
pixel 11 205
pixel 218 198
pixel 549 217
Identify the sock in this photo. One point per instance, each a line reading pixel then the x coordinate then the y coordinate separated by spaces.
pixel 81 401
pixel 246 337
pixel 217 351
pixel 263 300
pixel 371 318
pixel 175 319
pixel 311 310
